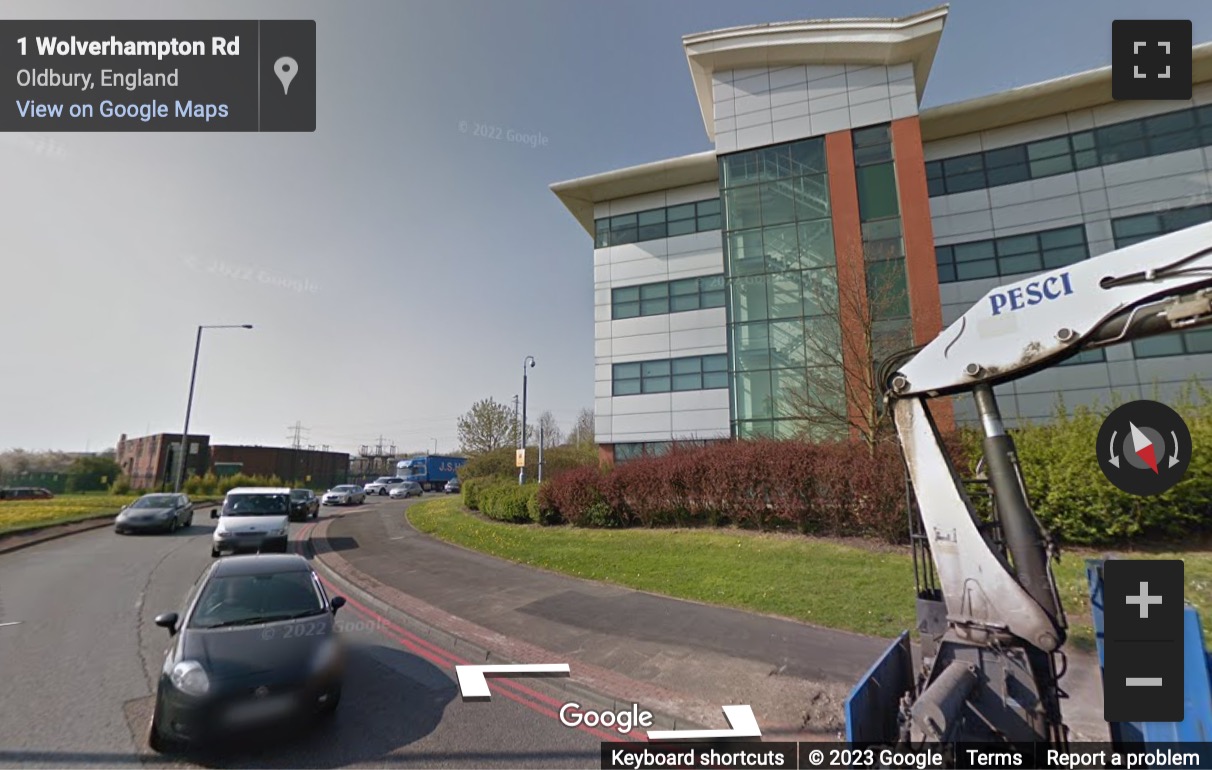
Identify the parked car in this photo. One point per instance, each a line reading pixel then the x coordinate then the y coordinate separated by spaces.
pixel 256 646
pixel 252 519
pixel 384 485
pixel 406 490
pixel 304 505
pixel 345 494
pixel 453 486
pixel 25 493
pixel 155 513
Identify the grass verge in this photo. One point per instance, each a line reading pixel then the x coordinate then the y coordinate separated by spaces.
pixel 849 587
pixel 16 515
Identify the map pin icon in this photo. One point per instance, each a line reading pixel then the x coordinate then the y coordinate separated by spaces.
pixel 286 68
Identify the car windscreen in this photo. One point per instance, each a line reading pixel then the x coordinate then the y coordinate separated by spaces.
pixel 154 501
pixel 237 600
pixel 299 494
pixel 254 505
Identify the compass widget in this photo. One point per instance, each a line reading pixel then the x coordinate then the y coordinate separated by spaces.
pixel 1144 447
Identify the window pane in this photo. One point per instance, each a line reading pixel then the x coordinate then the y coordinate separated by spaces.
pixel 822 341
pixel 623 235
pixel 709 222
pixel 684 286
pixel 687 381
pixel 656 368
pixel 749 299
pixel 687 365
pixel 711 283
pixel 1008 174
pixel 1006 156
pixel 715 363
pixel 816 244
pixel 1048 148
pixel 775 162
pixel 787 344
pixel 1185 140
pixel 626 371
pixel 1022 263
pixel 820 292
pixel 965 182
pixel 808 156
pixel 967 271
pixel 753 395
pixel 656 385
pixel 1143 225
pixel 751 346
pixel 1066 256
pixel 626 310
pixel 1182 218
pixel 963 164
pixel 782 249
pixel 946 273
pixel 970 252
pixel 708 207
pixel 654 290
pixel 786 295
pixel 811 197
pixel 1198 341
pixel 682 227
pixel 788 390
pixel 627 294
pixel 887 289
pixel 1068 236
pixel 943 255
pixel 654 306
pixel 869 156
pixel 1018 244
pixel 1050 166
pixel 935 187
pixel 743 207
pixel 1153 347
pixel 601 233
pixel 934 170
pixel 877 192
pixel 745 253
pixel 865 137
pixel 778 205
pixel 651 232
pixel 713 380
pixel 656 216
pixel 740 169
pixel 626 387
pixel 1083 140
pixel 1085 159
pixel 685 211
pixel 683 302
pixel 1123 151
pixel 712 299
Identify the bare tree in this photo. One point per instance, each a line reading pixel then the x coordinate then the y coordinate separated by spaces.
pixel 582 429
pixel 488 425
pixel 864 321
pixel 552 434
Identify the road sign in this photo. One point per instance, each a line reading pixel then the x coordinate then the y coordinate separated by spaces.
pixel 473 685
pixel 520 460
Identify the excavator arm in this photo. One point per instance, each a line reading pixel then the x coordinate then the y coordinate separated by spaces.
pixel 990 671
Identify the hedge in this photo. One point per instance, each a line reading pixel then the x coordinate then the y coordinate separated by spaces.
pixel 209 485
pixel 843 489
pixel 502 463
pixel 500 499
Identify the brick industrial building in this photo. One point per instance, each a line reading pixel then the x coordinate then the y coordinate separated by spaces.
pixel 149 461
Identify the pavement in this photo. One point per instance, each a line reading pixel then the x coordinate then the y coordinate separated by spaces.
pixel 680 659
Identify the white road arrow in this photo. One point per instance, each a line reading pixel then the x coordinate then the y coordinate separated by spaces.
pixel 740 718
pixel 474 686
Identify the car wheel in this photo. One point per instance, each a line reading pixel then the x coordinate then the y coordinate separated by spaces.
pixel 214 553
pixel 334 700
pixel 382 492
pixel 172 525
pixel 189 521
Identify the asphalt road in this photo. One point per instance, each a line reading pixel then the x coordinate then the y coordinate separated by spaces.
pixel 79 658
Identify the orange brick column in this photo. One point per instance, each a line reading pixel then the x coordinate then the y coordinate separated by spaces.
pixel 920 266
pixel 851 266
pixel 606 455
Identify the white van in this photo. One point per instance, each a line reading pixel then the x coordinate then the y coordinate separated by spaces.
pixel 252 519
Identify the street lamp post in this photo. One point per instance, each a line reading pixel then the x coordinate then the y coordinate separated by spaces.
pixel 528 363
pixel 189 403
pixel 435 444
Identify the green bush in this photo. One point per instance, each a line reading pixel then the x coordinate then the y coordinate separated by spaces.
pixel 509 502
pixel 121 486
pixel 502 464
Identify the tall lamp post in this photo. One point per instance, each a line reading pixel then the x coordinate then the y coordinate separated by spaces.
pixel 435 444
pixel 193 376
pixel 527 364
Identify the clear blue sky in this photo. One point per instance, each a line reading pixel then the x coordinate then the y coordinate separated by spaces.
pixel 428 262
